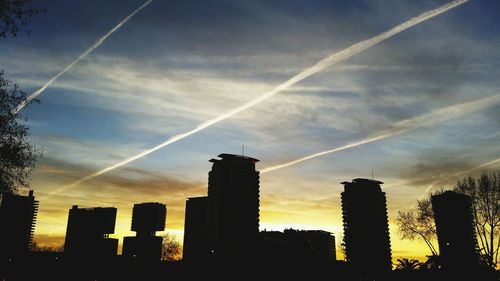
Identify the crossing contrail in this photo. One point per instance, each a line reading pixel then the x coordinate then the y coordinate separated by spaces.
pixel 321 65
pixel 81 57
pixel 401 127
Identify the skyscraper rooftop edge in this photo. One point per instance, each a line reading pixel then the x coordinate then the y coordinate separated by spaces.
pixel 228 156
pixel 360 180
pixel 196 198
pixel 91 208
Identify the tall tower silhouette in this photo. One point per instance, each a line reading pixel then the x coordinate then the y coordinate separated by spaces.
pixel 196 235
pixel 147 218
pixel 17 223
pixel 455 230
pixel 366 227
pixel 233 205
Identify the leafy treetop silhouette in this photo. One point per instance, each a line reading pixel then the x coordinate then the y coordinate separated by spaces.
pixel 17 154
pixel 13 15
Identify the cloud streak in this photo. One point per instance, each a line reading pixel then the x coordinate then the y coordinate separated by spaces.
pixel 318 67
pixel 137 182
pixel 401 127
pixel 81 57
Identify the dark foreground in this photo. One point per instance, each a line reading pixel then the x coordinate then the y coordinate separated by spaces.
pixel 53 267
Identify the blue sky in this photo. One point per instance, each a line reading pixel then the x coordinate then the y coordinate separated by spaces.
pixel 178 63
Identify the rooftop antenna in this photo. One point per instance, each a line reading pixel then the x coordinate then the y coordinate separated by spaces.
pixel 243 149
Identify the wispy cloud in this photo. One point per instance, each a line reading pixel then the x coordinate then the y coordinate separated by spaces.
pixel 81 57
pixel 201 61
pixel 320 66
pixel 402 127
pixel 139 185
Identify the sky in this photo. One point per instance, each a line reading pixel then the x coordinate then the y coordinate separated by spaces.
pixel 176 64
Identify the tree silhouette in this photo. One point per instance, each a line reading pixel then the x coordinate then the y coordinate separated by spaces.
pixel 341 246
pixel 408 264
pixel 53 249
pixel 419 223
pixel 13 15
pixel 17 155
pixel 485 194
pixel 170 248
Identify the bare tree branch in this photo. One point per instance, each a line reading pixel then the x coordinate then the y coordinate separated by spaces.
pixel 419 223
pixel 485 194
pixel 171 248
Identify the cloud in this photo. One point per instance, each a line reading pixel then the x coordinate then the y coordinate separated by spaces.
pixel 201 59
pixel 88 153
pixel 133 181
pixel 121 190
pixel 80 57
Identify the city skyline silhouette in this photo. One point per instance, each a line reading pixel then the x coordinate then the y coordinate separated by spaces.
pixel 135 97
pixel 222 233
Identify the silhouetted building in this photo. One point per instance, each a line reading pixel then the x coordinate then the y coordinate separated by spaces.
pixel 196 242
pixel 17 223
pixel 87 233
pixel 147 218
pixel 298 245
pixel 316 245
pixel 233 202
pixel 366 227
pixel 455 230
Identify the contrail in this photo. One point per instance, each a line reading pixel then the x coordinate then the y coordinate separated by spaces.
pixel 483 165
pixel 321 65
pixel 81 57
pixel 403 127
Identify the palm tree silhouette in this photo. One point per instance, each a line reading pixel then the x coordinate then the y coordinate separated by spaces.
pixel 408 264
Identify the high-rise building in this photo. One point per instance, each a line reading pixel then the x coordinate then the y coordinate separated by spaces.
pixel 455 230
pixel 196 242
pixel 233 202
pixel 147 218
pixel 225 224
pixel 87 233
pixel 17 223
pixel 366 227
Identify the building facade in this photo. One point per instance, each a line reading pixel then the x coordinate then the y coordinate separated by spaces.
pixel 196 237
pixel 17 223
pixel 455 230
pixel 307 246
pixel 147 218
pixel 233 203
pixel 366 226
pixel 87 234
pixel 225 224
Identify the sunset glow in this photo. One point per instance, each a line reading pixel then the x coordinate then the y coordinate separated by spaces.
pixel 406 92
